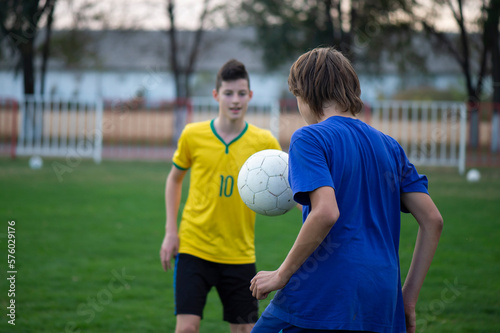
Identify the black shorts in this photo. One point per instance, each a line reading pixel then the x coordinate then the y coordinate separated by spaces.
pixel 194 277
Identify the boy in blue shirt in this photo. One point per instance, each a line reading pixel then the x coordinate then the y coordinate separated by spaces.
pixel 343 273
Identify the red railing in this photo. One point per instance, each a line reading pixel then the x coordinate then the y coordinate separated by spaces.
pixel 483 134
pixel 9 112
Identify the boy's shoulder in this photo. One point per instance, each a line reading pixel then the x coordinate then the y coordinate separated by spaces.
pixel 258 130
pixel 260 138
pixel 261 135
pixel 196 126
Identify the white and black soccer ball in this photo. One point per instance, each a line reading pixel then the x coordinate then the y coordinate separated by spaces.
pixel 35 162
pixel 473 175
pixel 263 183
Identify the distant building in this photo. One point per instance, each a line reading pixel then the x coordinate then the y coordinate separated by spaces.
pixel 127 64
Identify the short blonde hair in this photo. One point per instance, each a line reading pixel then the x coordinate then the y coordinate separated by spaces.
pixel 325 75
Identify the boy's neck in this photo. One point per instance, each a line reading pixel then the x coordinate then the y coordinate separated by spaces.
pixel 333 111
pixel 229 129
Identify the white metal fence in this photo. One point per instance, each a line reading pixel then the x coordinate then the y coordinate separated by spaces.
pixel 60 128
pixel 431 133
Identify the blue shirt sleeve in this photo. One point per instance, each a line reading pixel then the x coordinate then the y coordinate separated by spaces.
pixel 308 167
pixel 411 180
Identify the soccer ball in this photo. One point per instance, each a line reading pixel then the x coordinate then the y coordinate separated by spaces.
pixel 473 176
pixel 35 162
pixel 263 183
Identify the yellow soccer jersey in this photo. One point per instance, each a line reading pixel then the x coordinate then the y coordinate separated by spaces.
pixel 216 225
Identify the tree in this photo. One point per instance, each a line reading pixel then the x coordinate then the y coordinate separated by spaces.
pixel 73 45
pixel 469 49
pixel 183 71
pixel 369 31
pixel 491 38
pixel 19 22
pixel 286 29
pixel 46 44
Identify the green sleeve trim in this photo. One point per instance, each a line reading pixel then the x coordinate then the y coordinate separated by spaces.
pixel 179 167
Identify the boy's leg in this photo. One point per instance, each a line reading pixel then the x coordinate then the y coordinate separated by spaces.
pixel 193 279
pixel 241 328
pixel 241 309
pixel 187 323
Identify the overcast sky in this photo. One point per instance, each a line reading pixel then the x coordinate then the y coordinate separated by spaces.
pixel 151 14
pixel 146 14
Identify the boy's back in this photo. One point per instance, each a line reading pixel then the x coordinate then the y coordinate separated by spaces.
pixel 355 181
pixel 366 168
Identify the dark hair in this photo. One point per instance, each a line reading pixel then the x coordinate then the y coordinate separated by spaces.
pixel 324 75
pixel 231 71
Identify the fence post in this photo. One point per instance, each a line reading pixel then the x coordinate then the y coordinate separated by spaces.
pixel 21 126
pixel 98 134
pixel 13 141
pixel 495 128
pixel 463 139
pixel 275 119
pixel 70 129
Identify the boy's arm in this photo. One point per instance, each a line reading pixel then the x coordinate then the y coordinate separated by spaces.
pixel 173 191
pixel 324 213
pixel 430 223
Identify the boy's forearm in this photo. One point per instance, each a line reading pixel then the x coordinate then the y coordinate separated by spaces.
pixel 172 203
pixel 324 214
pixel 430 224
pixel 171 225
pixel 311 235
pixel 173 190
pixel 425 248
pixel 171 220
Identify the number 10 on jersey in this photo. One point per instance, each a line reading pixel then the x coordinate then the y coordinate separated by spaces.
pixel 226 186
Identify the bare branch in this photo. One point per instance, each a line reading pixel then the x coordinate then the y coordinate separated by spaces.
pixel 458 19
pixel 443 40
pixel 197 39
pixel 172 34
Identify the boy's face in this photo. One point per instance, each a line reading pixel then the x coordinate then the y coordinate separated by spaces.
pixel 233 98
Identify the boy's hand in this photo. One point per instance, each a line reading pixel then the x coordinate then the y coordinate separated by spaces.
pixel 169 249
pixel 411 319
pixel 266 282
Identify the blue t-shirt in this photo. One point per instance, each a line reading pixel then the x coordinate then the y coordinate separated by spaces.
pixel 352 281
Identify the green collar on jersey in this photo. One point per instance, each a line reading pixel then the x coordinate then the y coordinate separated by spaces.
pixel 222 140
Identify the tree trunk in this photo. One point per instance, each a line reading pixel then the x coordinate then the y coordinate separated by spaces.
pixel 348 38
pixel 492 29
pixel 473 110
pixel 46 45
pixel 179 111
pixel 32 122
pixel 27 56
pixel 182 72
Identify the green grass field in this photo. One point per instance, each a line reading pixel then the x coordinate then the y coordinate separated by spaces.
pixel 87 250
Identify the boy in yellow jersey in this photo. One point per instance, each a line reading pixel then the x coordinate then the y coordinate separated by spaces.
pixel 214 246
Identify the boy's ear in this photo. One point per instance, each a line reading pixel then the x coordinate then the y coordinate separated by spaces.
pixel 250 93
pixel 215 94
